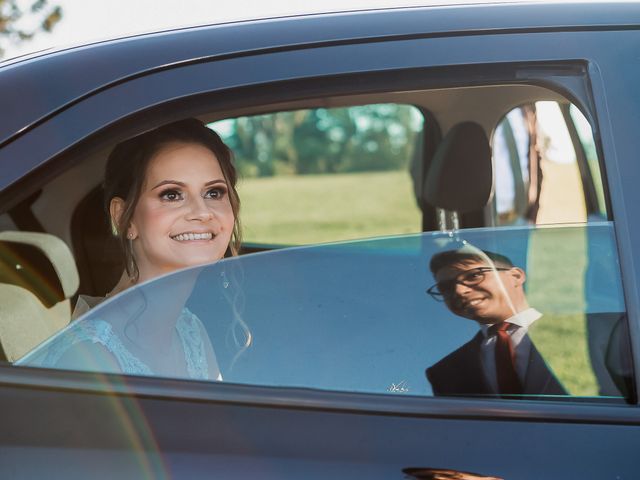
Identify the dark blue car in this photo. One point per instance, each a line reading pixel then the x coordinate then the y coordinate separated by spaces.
pixel 401 171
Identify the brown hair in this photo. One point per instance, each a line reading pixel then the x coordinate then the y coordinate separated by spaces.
pixel 127 166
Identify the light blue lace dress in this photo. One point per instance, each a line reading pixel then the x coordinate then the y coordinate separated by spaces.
pixel 190 331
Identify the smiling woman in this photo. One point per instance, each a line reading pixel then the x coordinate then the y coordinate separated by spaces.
pixel 173 204
pixel 183 215
pixel 182 182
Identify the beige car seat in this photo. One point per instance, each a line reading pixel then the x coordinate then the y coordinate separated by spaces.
pixel 38 276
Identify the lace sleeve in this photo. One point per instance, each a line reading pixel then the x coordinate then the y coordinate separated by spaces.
pixel 94 331
pixel 198 351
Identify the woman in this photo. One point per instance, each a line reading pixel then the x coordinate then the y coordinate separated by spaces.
pixel 172 200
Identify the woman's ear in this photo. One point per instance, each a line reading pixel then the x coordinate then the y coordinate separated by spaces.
pixel 116 210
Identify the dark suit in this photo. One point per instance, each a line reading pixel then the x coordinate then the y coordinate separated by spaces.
pixel 461 373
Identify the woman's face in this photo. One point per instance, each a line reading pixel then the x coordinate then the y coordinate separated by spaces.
pixel 183 216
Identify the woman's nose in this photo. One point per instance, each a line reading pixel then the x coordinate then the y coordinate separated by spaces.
pixel 198 210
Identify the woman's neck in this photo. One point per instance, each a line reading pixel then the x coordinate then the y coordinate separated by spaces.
pixel 156 307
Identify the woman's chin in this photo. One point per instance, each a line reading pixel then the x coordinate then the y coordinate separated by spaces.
pixel 198 260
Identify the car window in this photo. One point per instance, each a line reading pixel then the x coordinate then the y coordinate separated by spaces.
pixel 515 203
pixel 299 168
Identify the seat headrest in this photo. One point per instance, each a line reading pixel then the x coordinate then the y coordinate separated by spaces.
pixel 41 263
pixel 460 177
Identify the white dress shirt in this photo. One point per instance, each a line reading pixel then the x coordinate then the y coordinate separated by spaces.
pixel 520 341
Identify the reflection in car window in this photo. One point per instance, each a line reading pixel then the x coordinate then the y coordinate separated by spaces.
pixel 355 316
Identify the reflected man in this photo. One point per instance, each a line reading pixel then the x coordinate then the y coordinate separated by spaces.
pixel 501 359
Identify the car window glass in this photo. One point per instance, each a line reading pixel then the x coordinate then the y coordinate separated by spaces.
pixel 355 317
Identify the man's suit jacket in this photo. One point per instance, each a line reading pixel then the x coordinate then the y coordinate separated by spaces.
pixel 461 373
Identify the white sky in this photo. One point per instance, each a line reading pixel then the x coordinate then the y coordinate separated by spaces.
pixel 87 20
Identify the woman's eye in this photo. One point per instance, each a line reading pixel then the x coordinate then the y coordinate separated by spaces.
pixel 216 193
pixel 171 195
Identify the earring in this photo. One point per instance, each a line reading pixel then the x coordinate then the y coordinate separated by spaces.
pixel 130 236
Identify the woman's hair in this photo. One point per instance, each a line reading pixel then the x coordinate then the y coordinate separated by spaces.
pixel 127 167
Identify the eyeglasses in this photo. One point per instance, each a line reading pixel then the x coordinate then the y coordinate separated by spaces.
pixel 472 277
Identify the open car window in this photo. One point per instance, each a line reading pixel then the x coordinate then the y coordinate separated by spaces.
pixel 355 317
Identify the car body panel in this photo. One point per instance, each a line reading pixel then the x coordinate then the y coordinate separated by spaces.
pixel 108 63
pixel 148 436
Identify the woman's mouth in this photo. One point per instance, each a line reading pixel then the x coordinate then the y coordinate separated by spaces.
pixel 191 236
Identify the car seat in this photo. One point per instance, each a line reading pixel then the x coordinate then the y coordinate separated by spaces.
pixel 38 276
pixel 460 177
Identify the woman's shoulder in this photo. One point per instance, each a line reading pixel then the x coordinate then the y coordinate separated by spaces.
pixel 88 344
pixel 83 335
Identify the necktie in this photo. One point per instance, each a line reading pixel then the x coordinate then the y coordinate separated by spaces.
pixel 508 381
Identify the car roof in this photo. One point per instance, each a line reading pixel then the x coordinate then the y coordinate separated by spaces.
pixel 50 82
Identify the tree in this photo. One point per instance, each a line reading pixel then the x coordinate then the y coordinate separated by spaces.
pixel 324 140
pixel 20 20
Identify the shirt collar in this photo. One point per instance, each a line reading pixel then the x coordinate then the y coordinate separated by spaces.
pixel 523 319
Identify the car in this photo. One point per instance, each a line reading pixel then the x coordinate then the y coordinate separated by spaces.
pixel 368 144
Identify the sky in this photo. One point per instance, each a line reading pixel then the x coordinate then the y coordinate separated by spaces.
pixel 84 21
pixel 88 20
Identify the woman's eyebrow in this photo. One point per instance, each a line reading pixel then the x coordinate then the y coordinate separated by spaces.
pixel 169 182
pixel 182 184
pixel 213 182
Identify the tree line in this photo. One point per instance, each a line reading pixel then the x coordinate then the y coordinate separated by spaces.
pixel 323 140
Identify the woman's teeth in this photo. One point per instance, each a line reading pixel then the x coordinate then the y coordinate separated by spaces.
pixel 183 237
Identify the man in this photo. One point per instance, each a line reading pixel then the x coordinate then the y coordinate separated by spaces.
pixel 501 359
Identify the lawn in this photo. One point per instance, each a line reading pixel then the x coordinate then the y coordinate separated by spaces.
pixel 302 209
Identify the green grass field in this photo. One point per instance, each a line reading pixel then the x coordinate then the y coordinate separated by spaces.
pixel 324 208
pixel 302 209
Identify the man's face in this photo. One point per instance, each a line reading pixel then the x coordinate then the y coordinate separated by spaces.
pixel 477 291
